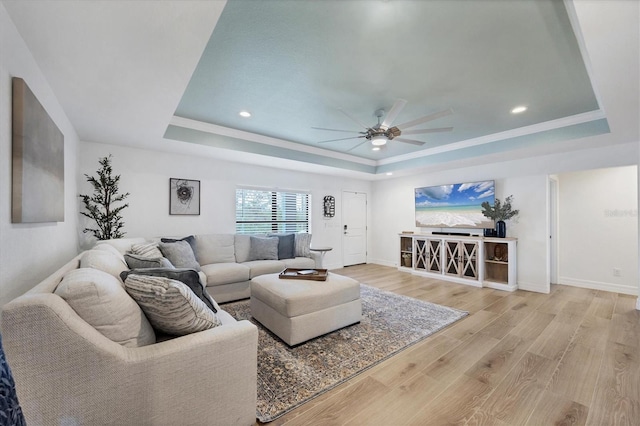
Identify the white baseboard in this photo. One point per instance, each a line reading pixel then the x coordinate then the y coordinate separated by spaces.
pixel 597 285
pixel 383 263
pixel 534 287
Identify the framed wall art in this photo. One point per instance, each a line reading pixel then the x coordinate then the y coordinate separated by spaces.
pixel 37 160
pixel 184 196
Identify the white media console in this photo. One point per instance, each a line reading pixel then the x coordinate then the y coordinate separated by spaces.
pixel 472 260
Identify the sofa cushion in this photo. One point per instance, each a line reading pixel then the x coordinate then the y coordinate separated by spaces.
pixel 215 248
pixel 189 277
pixel 261 267
pixel 180 254
pixel 135 261
pixel 263 248
pixel 147 249
pixel 103 261
pixel 170 305
pixel 225 273
pixel 302 245
pixel 286 245
pixel 242 247
pixel 100 299
pixel 300 263
pixel 225 317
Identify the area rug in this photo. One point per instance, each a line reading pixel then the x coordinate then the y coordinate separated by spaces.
pixel 289 377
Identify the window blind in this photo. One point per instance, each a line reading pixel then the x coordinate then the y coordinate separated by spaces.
pixel 264 211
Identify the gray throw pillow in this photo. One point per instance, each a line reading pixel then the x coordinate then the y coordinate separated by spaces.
pixel 135 261
pixel 180 254
pixel 170 305
pixel 190 239
pixel 286 245
pixel 263 248
pixel 189 277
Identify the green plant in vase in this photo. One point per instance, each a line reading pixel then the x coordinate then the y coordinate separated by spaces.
pixel 500 212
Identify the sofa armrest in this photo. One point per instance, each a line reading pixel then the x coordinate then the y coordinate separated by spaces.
pixel 67 372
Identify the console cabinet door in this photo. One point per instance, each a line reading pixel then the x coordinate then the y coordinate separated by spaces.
pixel 434 248
pixel 469 259
pixel 421 250
pixel 461 259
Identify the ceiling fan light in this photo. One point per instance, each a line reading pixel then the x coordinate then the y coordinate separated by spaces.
pixel 378 140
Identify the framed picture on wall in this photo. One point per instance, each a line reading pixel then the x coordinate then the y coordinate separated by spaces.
pixel 184 196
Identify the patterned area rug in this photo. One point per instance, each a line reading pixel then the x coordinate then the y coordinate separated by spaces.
pixel 289 377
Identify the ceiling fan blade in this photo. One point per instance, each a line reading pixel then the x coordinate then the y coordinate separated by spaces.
pixel 335 130
pixel 419 131
pixel 354 147
pixel 341 139
pixel 425 119
pixel 354 119
pixel 411 141
pixel 393 113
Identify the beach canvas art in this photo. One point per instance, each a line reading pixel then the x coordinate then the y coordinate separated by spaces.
pixel 454 206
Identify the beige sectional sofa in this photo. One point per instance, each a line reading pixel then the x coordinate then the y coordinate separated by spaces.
pixel 68 371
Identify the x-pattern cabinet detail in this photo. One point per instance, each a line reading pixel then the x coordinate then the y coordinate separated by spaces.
pixel 472 260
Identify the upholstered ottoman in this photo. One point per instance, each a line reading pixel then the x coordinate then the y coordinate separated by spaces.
pixel 299 310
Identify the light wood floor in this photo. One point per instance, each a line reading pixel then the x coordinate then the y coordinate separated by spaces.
pixel 571 357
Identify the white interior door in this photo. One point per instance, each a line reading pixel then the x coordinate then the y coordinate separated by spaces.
pixel 354 228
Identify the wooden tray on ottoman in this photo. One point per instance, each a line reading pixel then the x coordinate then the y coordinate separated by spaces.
pixel 304 274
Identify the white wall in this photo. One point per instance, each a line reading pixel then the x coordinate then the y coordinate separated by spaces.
pixel 30 252
pixel 526 180
pixel 394 212
pixel 598 229
pixel 146 174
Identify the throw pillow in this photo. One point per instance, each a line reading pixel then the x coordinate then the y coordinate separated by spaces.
pixel 100 299
pixel 190 239
pixel 108 247
pixel 189 277
pixel 180 254
pixel 104 261
pixel 302 244
pixel 263 248
pixel 286 245
pixel 170 305
pixel 135 261
pixel 146 250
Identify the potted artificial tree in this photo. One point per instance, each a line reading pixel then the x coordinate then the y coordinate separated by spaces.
pixel 500 212
pixel 100 206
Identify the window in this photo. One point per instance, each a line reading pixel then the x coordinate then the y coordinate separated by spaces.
pixel 264 211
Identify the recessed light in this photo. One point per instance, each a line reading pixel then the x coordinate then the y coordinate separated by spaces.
pixel 389 173
pixel 519 109
pixel 375 148
pixel 245 114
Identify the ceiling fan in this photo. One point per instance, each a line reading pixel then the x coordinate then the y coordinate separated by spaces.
pixel 383 132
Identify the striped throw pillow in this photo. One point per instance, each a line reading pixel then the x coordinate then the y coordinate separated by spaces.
pixel 302 243
pixel 146 250
pixel 170 305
